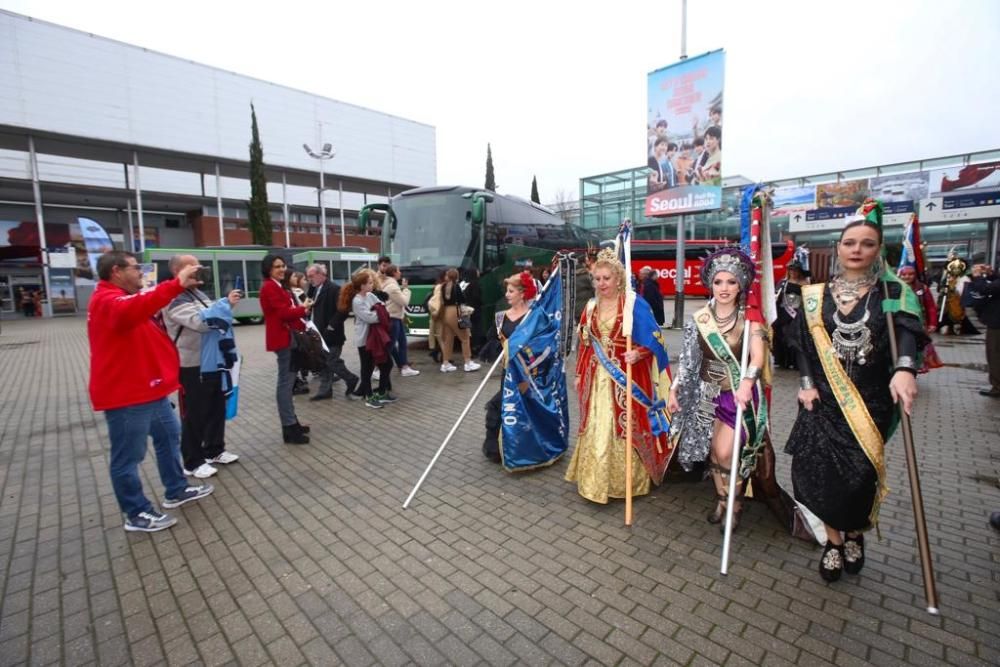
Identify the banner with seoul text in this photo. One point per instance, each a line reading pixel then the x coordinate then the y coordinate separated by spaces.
pixel 684 136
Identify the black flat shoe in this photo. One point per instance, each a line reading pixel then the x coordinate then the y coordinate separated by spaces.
pixel 302 427
pixel 831 563
pixel 854 554
pixel 293 435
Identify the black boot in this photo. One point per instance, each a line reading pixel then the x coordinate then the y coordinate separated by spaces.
pixel 293 435
pixel 302 427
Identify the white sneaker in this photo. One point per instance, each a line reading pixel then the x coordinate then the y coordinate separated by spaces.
pixel 187 473
pixel 471 366
pixel 447 367
pixel 224 458
pixel 204 471
pixel 409 372
pixel 376 374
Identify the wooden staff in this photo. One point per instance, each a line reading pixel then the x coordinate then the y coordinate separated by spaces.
pixel 628 431
pixel 916 497
pixel 734 463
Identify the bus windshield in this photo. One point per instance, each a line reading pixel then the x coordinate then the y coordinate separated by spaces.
pixel 431 229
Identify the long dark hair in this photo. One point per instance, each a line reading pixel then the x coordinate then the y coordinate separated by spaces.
pixel 267 264
pixel 861 223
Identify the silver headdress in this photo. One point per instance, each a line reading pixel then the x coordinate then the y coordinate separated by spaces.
pixel 731 260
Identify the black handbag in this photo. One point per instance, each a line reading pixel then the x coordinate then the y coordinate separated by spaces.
pixel 307 351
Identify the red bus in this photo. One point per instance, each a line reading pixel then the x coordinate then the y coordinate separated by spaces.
pixel 661 256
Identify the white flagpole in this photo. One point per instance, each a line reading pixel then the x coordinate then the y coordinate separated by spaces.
pixel 734 466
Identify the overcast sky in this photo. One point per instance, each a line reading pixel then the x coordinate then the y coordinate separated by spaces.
pixel 559 88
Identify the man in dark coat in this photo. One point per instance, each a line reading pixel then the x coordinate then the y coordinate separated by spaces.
pixel 330 323
pixel 650 290
pixel 985 292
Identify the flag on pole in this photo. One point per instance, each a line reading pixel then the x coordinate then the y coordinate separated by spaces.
pixel 534 406
pixel 912 255
pixel 755 238
pixel 638 320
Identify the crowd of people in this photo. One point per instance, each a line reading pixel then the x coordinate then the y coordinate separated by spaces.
pixel 695 160
pixel 834 334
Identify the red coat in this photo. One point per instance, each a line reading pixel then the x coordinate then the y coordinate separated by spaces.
pixel 132 361
pixel 280 312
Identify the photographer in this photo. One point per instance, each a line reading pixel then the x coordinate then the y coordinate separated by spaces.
pixel 193 323
pixel 985 293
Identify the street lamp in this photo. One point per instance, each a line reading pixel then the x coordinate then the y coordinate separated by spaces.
pixel 326 154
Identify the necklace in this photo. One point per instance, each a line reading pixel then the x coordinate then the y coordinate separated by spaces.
pixel 846 291
pixel 852 341
pixel 722 321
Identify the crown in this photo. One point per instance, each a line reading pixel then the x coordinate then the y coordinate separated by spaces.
pixel 731 260
pixel 609 255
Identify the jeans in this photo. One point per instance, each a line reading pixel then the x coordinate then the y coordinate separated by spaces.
pixel 367 366
pixel 398 348
pixel 203 416
pixel 286 379
pixel 335 369
pixel 129 427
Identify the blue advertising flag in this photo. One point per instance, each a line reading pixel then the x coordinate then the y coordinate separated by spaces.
pixel 95 239
pixel 534 408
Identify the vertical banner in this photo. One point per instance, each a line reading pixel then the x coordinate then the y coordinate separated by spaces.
pixel 95 240
pixel 684 136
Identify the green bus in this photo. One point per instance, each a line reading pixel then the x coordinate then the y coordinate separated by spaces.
pixel 427 230
pixel 240 267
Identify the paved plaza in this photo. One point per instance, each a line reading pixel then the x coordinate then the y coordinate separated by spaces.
pixel 304 555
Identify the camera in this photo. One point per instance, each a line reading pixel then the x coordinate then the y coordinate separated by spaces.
pixel 204 275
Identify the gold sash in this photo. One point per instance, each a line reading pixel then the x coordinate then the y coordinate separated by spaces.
pixel 851 404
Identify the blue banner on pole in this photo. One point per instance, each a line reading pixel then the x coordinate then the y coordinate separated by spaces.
pixel 534 408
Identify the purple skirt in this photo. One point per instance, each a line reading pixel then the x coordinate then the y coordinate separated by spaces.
pixel 725 410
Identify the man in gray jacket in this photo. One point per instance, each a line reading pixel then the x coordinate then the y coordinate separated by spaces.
pixel 203 403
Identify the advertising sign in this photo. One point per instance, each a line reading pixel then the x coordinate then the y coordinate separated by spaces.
pixel 900 194
pixel 793 199
pixel 62 291
pixel 971 192
pixel 684 136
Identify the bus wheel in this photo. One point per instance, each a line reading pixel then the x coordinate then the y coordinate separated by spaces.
pixel 251 320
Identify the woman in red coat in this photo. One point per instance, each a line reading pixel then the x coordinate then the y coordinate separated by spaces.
pixel 282 314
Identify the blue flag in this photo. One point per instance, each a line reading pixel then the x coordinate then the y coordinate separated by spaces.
pixel 534 407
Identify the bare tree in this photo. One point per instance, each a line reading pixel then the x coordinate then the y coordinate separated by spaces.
pixel 565 204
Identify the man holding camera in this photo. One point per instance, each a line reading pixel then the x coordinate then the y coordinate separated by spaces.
pixel 190 325
pixel 985 289
pixel 133 371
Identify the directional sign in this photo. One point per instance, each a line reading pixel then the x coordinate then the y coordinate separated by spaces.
pixel 961 207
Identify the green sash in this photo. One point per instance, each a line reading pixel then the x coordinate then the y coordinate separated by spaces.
pixel 755 416
pixel 851 403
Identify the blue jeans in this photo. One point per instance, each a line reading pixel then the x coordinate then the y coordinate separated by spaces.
pixel 398 349
pixel 283 393
pixel 129 428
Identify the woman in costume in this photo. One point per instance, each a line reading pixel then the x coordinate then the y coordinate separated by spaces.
pixel 789 300
pixel 598 463
pixel 950 290
pixel 519 291
pixel 928 313
pixel 710 384
pixel 850 389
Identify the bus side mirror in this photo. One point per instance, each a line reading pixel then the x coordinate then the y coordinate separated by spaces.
pixel 478 211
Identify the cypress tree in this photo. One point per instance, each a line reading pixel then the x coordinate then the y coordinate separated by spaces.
pixel 534 190
pixel 491 183
pixel 260 214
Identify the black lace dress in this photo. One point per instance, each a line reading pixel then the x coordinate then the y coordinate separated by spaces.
pixel 831 474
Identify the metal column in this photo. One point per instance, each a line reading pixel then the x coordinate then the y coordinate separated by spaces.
pixel 138 202
pixel 284 208
pixel 218 204
pixel 40 220
pixel 343 237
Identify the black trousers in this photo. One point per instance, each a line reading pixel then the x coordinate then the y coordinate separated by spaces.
pixel 993 356
pixel 203 416
pixel 367 367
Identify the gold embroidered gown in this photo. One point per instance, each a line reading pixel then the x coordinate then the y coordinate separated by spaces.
pixel 598 463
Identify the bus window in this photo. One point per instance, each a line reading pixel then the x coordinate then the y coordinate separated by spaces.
pixel 340 272
pixel 228 269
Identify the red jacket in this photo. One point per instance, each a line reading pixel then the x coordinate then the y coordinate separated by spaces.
pixel 280 312
pixel 132 361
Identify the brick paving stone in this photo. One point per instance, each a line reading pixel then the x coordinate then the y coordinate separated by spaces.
pixel 304 551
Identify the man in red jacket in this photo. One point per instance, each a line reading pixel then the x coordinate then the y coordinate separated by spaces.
pixel 133 369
